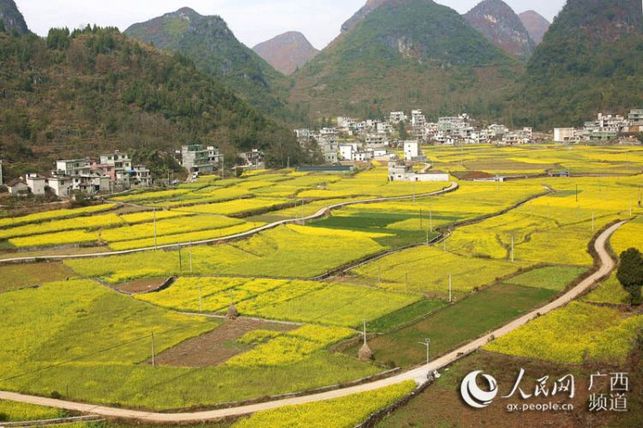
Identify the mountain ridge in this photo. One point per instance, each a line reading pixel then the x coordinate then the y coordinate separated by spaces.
pixel 209 42
pixel 406 52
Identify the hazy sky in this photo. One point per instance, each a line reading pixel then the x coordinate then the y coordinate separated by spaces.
pixel 252 21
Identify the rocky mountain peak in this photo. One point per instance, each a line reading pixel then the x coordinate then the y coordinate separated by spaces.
pixel 535 24
pixel 287 52
pixel 500 24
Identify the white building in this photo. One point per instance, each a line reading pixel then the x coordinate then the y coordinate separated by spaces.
pixel 62 186
pixel 346 151
pixel 398 171
pixel 36 184
pixel 564 135
pixel 396 117
pixel 635 117
pixel 412 150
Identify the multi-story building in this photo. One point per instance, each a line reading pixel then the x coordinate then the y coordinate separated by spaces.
pixel 635 117
pixel 36 183
pixel 564 135
pixel 118 166
pixel 73 167
pixel 396 117
pixel 62 186
pixel 200 159
pixel 412 151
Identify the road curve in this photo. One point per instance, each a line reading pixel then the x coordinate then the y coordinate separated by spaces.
pixel 419 375
pixel 321 213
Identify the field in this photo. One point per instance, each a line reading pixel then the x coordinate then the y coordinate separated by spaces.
pixel 575 334
pixel 304 301
pixel 456 324
pixel 344 412
pixel 304 290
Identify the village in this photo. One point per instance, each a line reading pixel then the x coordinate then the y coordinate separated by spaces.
pixel 116 172
pixel 352 141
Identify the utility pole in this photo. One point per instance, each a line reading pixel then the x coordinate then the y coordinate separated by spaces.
pixel 421 220
pixel 153 351
pixel 407 282
pixel 427 344
pixel 200 298
pixel 577 193
pixel 180 261
pixel 431 220
pixel 379 275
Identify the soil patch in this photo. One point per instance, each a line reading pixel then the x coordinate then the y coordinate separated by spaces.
pixel 217 346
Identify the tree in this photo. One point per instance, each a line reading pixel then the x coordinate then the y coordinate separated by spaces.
pixel 630 273
pixel 2 28
pixel 402 129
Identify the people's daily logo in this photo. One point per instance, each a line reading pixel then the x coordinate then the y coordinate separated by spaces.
pixel 473 395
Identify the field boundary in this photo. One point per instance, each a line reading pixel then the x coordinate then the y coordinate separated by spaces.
pixel 320 213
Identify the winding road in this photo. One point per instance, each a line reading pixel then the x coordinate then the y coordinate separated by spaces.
pixel 321 213
pixel 605 265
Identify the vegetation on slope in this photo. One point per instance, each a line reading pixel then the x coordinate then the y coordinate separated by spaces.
pixel 589 61
pixel 407 52
pixel 215 50
pixel 95 90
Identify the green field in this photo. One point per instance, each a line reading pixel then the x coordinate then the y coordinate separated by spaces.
pixel 456 324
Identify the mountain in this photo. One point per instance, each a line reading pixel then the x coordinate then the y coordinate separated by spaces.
pixel 286 52
pixel 589 61
pixel 11 18
pixel 403 54
pixel 215 50
pixel 500 24
pixel 95 90
pixel 359 16
pixel 535 24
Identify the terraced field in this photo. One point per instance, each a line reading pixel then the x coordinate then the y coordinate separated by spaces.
pixel 507 248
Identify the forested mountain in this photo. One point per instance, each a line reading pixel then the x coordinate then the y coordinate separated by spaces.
pixel 287 52
pixel 215 50
pixel 94 90
pixel 535 24
pixel 11 20
pixel 589 61
pixel 407 53
pixel 500 25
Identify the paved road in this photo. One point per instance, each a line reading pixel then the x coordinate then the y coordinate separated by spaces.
pixel 321 213
pixel 419 375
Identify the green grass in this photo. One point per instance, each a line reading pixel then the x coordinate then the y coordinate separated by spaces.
pixel 457 324
pixel 551 277
pixel 405 315
pixel 381 222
